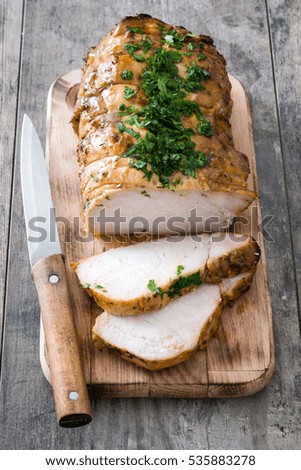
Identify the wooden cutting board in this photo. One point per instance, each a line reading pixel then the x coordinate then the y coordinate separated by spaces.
pixel 238 361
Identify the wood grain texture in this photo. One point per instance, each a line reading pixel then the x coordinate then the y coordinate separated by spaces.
pixel 61 342
pixel 285 31
pixel 237 351
pixel 11 17
pixel 56 34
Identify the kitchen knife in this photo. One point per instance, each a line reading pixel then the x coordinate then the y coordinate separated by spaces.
pixel 49 274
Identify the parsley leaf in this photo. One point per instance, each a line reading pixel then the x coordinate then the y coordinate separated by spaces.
pixel 124 110
pixel 127 75
pixel 182 283
pixel 195 72
pixel 173 38
pixel 153 288
pixel 146 44
pixel 205 128
pixel 132 49
pixel 169 39
pixel 180 269
pixel 122 128
pixel 195 75
pixel 139 57
pixel 129 92
pixel 151 285
pixel 136 30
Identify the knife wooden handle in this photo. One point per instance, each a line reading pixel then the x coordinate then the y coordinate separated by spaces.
pixel 67 378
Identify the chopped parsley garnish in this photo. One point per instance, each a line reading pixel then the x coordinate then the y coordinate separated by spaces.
pixel 146 44
pixel 122 128
pixel 202 57
pixel 176 288
pixel 173 38
pixel 145 193
pixel 170 40
pixel 136 30
pixel 195 75
pixel 122 107
pixel 195 72
pixel 180 269
pixel 152 285
pixel 124 110
pixel 182 283
pixel 205 128
pixel 132 49
pixel 167 147
pixel 86 286
pixel 129 92
pixel 127 75
pixel 153 288
pixel 134 120
pixel 99 287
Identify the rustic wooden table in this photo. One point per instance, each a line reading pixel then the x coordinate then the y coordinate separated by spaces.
pixel 40 40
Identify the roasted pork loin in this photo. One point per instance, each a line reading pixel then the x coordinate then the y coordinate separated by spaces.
pixel 155 146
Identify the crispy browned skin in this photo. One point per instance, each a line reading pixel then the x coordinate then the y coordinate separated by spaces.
pixel 102 92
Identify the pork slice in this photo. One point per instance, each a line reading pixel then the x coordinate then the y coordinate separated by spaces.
pixel 159 212
pixel 173 334
pixel 146 276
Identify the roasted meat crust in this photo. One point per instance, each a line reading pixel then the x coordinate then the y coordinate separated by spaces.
pixel 101 92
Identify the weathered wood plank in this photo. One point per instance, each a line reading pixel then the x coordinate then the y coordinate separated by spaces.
pixel 285 29
pixel 11 16
pixel 55 39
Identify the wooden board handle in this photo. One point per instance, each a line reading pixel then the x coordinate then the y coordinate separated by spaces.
pixel 68 382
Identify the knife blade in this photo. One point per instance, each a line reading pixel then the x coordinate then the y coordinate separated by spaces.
pixel 49 274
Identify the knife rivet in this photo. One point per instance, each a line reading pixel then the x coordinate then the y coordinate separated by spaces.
pixel 73 396
pixel 54 279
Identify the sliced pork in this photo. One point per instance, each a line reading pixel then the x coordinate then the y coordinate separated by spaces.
pixel 173 334
pixel 147 276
